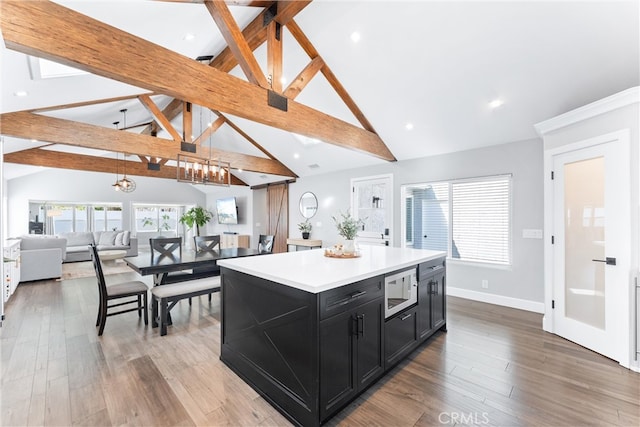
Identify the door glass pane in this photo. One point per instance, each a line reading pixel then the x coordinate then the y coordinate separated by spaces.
pixel 370 204
pixel 584 241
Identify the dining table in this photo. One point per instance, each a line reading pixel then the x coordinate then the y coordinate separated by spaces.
pixel 193 263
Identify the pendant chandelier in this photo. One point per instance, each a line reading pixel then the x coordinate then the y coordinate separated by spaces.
pixel 196 170
pixel 126 185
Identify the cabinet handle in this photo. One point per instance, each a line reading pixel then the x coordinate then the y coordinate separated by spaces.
pixel 435 287
pixel 357 294
pixel 348 299
pixel 406 316
pixel 360 318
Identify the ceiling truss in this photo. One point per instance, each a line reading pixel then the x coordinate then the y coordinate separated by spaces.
pixel 24 27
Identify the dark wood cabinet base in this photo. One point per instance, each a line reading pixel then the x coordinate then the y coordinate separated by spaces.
pixel 309 355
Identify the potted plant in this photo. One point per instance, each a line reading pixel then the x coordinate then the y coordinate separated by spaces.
pixel 305 228
pixel 197 216
pixel 348 228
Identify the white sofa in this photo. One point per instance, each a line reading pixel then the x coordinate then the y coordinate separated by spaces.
pixel 41 257
pixel 78 243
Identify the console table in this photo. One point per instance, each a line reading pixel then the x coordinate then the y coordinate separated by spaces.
pixel 306 243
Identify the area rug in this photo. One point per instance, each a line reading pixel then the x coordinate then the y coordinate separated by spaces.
pixel 75 270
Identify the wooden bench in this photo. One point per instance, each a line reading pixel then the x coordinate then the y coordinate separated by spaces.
pixel 167 296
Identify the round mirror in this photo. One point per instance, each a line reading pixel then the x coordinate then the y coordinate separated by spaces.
pixel 308 204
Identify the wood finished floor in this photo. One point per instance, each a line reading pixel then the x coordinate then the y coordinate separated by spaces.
pixel 495 366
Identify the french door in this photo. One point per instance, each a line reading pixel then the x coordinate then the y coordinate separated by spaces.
pixel 591 251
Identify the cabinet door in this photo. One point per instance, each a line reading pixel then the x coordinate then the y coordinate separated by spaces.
pixel 337 362
pixel 438 300
pixel 424 307
pixel 369 336
pixel 400 336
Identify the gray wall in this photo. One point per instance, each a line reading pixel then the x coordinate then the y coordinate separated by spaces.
pixel 524 160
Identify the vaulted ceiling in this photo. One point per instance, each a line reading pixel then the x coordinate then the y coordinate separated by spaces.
pixel 416 82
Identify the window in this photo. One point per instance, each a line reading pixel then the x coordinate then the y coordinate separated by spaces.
pixel 469 219
pixel 156 218
pixel 66 217
pixel 107 217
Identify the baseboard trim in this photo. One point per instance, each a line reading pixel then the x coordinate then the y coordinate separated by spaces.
pixel 521 304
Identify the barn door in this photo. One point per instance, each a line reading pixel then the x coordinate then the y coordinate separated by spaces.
pixel 278 215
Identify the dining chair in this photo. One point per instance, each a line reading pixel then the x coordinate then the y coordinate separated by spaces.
pixel 117 291
pixel 206 243
pixel 265 243
pixel 166 247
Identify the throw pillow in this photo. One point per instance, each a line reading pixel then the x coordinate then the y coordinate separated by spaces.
pixel 126 239
pixel 119 239
pixel 107 238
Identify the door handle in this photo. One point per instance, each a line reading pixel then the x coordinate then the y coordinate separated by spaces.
pixel 608 261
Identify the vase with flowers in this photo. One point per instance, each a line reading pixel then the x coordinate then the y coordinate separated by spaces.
pixel 305 229
pixel 348 228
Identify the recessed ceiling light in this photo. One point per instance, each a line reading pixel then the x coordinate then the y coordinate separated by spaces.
pixel 189 36
pixel 283 80
pixel 20 93
pixel 408 126
pixel 296 155
pixel 355 37
pixel 240 170
pixel 34 140
pixel 496 103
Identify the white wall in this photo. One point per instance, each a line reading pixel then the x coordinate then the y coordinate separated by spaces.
pixel 244 202
pixel 79 186
pixel 521 285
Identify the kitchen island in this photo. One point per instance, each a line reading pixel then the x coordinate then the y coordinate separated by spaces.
pixel 309 332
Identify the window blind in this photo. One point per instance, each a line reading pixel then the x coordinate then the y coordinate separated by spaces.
pixel 481 220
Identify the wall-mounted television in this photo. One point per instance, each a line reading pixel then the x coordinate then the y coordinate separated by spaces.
pixel 227 210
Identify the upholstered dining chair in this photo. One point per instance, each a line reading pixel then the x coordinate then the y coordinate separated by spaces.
pixel 206 243
pixel 136 290
pixel 265 243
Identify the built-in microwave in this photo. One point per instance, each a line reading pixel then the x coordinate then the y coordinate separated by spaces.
pixel 400 291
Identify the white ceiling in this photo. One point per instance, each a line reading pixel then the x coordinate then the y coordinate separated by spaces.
pixel 435 64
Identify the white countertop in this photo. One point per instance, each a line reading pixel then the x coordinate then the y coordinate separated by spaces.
pixel 311 271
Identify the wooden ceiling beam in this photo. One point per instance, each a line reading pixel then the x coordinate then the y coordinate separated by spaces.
pixel 250 3
pixel 274 55
pixel 244 135
pixel 59 160
pixel 308 47
pixel 28 125
pixel 160 118
pixel 303 79
pixel 236 42
pixel 255 33
pixel 209 130
pixel 51 31
pixel 171 111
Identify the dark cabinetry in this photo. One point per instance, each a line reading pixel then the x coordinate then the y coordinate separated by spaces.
pixel 351 343
pixel 431 297
pixel 310 354
pixel 400 335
